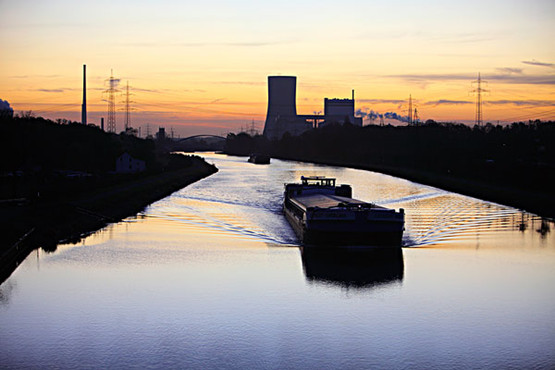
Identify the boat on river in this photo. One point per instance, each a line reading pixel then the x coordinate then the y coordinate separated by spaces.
pixel 258 158
pixel 322 213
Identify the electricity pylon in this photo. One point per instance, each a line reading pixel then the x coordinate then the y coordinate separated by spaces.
pixel 478 91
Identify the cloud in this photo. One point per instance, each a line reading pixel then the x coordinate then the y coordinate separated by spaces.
pixel 251 44
pixel 525 79
pixel 507 70
pixel 534 62
pixel 145 90
pixel 463 38
pixel 509 78
pixel 381 101
pixel 250 83
pixel 35 76
pixel 533 103
pixel 51 90
pixel 204 44
pixel 230 43
pixel 434 77
pixel 435 103
pixel 392 32
pixel 372 115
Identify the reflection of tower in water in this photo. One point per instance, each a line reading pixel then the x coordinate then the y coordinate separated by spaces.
pixel 353 268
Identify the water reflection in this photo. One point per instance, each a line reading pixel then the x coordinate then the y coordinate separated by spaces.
pixel 353 268
pixel 544 227
pixel 208 278
pixel 6 290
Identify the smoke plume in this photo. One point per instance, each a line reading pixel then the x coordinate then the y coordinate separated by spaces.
pixel 372 115
pixel 395 116
pixel 5 109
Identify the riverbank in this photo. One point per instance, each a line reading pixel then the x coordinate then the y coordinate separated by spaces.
pixel 512 165
pixel 536 202
pixel 44 224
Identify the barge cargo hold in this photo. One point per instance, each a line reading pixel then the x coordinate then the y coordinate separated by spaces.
pixel 322 213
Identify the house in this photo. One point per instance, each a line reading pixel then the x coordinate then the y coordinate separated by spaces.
pixel 127 164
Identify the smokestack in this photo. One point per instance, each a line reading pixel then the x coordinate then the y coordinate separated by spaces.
pixel 281 103
pixel 84 105
pixel 353 94
pixel 102 123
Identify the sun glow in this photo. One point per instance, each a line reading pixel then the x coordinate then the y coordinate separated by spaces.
pixel 202 68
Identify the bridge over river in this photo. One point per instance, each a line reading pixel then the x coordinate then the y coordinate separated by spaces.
pixel 200 142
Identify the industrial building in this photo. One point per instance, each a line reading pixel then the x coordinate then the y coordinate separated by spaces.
pixel 127 164
pixel 282 114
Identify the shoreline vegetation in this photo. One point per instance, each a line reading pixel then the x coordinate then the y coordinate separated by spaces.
pixel 58 183
pixel 513 165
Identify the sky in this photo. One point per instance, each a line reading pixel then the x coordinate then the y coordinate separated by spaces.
pixel 201 67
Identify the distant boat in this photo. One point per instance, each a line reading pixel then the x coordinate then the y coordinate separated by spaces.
pixel 258 158
pixel 324 214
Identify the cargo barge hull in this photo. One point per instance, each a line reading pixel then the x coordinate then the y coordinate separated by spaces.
pixel 323 214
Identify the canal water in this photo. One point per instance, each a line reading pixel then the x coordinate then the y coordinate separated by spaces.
pixel 213 277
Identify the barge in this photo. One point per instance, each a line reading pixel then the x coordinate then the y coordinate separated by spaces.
pixel 257 158
pixel 322 213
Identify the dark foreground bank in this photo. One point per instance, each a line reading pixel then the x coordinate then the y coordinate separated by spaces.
pixel 44 223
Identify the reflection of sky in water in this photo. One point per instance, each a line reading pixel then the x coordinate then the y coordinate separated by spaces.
pixel 210 277
pixel 245 200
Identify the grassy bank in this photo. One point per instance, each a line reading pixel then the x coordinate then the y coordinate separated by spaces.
pixel 45 223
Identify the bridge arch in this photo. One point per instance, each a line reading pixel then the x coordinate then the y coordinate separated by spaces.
pixel 199 136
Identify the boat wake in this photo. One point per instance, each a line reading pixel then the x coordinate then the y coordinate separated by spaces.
pixel 245 201
pixel 229 217
pixel 456 218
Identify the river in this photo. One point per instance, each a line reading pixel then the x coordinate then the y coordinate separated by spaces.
pixel 212 277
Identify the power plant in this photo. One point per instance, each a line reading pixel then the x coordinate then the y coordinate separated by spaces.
pixel 282 114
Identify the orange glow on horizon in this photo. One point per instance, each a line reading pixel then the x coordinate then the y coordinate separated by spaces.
pixel 203 68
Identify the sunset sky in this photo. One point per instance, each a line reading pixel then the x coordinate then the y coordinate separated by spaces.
pixel 202 67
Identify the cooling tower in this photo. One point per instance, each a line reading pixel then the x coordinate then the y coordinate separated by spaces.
pixel 281 104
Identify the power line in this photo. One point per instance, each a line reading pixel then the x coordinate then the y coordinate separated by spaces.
pixel 531 116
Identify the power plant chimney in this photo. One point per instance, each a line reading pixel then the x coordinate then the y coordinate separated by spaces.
pixel 281 103
pixel 84 105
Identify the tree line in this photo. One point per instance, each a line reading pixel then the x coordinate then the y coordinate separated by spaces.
pixel 37 155
pixel 518 155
